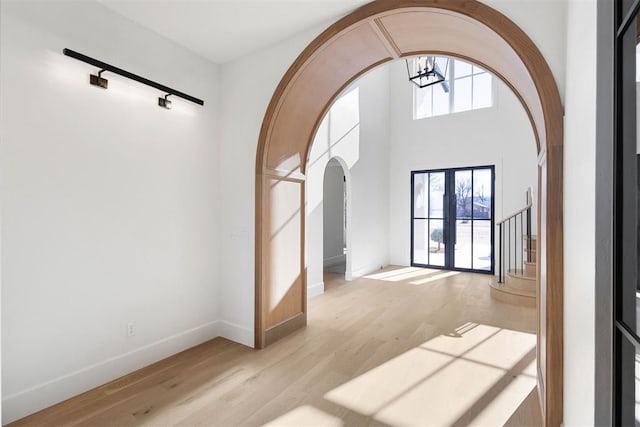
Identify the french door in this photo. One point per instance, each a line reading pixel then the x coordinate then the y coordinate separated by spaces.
pixel 452 219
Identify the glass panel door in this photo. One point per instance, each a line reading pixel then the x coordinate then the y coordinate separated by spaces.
pixel 463 246
pixel 482 218
pixel 452 219
pixel 435 238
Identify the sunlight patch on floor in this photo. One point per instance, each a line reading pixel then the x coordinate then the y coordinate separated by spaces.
pixel 388 274
pixel 495 413
pixel 306 416
pixel 371 391
pixel 443 398
pixel 416 273
pixel 411 275
pixel 516 346
pixel 475 373
pixel 461 339
pixel 434 278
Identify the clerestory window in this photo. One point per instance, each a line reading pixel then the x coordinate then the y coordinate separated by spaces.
pixel 466 87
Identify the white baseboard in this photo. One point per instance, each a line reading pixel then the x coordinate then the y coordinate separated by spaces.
pixel 367 269
pixel 235 333
pixel 334 260
pixel 33 399
pixel 315 290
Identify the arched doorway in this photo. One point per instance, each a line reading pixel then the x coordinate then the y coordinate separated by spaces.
pixel 334 219
pixel 374 34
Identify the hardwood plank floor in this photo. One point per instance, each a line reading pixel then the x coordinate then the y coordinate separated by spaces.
pixel 403 346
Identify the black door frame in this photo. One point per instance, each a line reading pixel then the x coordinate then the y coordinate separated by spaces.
pixel 626 342
pixel 450 206
pixel 605 189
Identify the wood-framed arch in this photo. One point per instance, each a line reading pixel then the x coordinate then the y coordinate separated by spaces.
pixel 374 34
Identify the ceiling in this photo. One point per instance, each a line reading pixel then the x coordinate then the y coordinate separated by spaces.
pixel 224 30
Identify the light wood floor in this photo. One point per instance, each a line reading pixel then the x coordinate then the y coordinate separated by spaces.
pixel 402 347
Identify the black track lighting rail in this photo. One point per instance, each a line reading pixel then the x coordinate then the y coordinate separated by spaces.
pixel 108 67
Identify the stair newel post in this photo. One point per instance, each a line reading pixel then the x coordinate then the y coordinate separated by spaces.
pixel 511 252
pixel 515 243
pixel 521 243
pixel 500 253
pixel 529 235
pixel 504 250
pixel 509 240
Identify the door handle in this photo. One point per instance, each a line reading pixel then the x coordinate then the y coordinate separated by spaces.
pixel 445 218
pixel 454 220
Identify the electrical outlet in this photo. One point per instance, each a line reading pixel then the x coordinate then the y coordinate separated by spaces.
pixel 131 329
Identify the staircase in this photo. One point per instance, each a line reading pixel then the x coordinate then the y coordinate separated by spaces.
pixel 517 261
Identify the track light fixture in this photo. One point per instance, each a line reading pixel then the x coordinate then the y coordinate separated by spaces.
pixel 164 102
pixel 99 81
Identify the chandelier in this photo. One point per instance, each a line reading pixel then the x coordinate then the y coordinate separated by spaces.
pixel 427 72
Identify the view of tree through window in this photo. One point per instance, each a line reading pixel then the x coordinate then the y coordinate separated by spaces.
pixel 466 87
pixel 457 203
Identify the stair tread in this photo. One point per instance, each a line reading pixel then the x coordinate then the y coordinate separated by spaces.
pixel 519 300
pixel 519 274
pixel 502 287
pixel 530 269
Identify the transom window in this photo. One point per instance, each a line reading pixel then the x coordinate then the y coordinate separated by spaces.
pixel 466 87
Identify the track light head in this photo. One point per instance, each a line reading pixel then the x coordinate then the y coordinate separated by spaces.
pixel 98 80
pixel 164 102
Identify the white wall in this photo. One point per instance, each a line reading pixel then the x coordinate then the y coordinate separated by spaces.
pixel 370 175
pixel 320 154
pixel 109 203
pixel 245 100
pixel 579 214
pixel 501 135
pixel 356 133
pixel 336 141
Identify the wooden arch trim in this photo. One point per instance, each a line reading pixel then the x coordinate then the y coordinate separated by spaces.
pixel 372 35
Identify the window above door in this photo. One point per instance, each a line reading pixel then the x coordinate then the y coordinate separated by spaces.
pixel 466 87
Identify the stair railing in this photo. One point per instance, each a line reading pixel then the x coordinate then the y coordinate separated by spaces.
pixel 516 229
